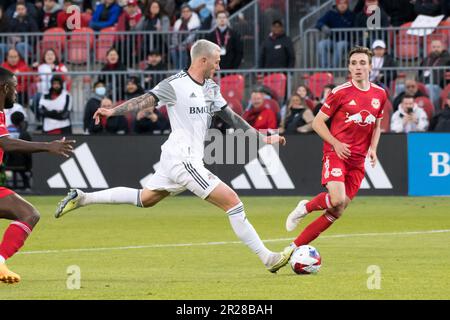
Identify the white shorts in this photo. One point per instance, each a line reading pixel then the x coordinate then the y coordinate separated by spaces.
pixel 176 175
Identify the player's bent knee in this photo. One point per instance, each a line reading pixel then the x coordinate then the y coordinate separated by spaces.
pixel 30 216
pixel 337 201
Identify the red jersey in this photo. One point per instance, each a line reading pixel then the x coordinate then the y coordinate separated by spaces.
pixel 3 132
pixel 353 114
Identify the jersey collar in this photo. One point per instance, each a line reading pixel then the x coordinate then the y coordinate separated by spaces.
pixel 200 84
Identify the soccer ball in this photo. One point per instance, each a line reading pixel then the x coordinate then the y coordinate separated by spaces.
pixel 305 260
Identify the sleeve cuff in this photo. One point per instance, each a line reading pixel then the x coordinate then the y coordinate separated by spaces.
pixel 154 96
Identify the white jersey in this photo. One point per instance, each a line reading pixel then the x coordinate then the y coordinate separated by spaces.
pixel 190 106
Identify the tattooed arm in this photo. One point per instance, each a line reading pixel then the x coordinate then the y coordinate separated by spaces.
pixel 236 121
pixel 137 104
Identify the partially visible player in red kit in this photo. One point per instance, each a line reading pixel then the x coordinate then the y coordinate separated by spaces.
pixel 12 206
pixel 355 109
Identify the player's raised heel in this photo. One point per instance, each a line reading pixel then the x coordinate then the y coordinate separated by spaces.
pixel 69 203
pixel 283 260
pixel 296 215
pixel 7 276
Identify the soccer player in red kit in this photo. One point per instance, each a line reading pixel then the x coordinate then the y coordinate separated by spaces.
pixel 12 206
pixel 355 109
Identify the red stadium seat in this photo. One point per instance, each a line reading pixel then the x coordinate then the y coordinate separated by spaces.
pixel 80 44
pixel 235 105
pixel 311 105
pixel 54 38
pixel 426 105
pixel 386 121
pixel 163 111
pixel 407 46
pixel 232 87
pixel 444 95
pixel 277 83
pixel 422 88
pixel 273 105
pixel 85 19
pixel 317 81
pixel 104 42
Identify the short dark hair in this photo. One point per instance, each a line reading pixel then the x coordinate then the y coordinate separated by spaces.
pixel 5 75
pixel 359 49
pixel 408 96
pixel 222 11
pixel 17 118
pixel 274 22
pixel 99 82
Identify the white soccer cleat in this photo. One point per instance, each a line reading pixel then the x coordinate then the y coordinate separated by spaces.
pixel 279 260
pixel 69 203
pixel 296 215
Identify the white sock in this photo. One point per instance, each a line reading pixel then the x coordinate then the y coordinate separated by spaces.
pixel 2 260
pixel 119 195
pixel 246 233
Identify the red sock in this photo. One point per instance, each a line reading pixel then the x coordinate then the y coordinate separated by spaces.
pixel 320 202
pixel 314 229
pixel 14 238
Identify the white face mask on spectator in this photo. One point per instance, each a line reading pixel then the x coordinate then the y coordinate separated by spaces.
pixel 101 91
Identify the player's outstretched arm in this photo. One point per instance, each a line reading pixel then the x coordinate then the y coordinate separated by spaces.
pixel 137 104
pixel 61 147
pixel 319 125
pixel 236 121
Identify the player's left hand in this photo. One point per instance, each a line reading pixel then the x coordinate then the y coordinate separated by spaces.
pixel 61 147
pixel 275 139
pixel 373 158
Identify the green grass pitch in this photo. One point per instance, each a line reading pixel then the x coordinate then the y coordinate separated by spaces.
pixel 184 248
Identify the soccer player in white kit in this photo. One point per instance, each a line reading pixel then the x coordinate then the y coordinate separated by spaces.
pixel 192 98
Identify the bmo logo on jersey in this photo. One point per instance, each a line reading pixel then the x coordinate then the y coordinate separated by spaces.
pixel 198 110
pixel 362 118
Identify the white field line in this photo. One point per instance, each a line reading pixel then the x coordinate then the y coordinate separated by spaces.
pixel 175 245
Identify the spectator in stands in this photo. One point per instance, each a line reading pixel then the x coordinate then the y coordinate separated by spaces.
pixel 4 28
pixel 409 117
pixel 150 121
pixel 23 23
pixel 134 88
pixel 277 51
pixel 361 20
pixel 428 7
pixel 49 65
pixel 399 11
pixel 19 163
pixel 63 15
pixel 204 9
pixel 155 19
pixel 31 9
pixel 92 105
pixel 15 64
pixel 339 17
pixel 235 5
pixel 181 43
pixel 258 116
pixel 55 108
pixel 154 63
pixel 105 15
pixel 49 14
pixel 298 118
pixel 326 91
pixel 435 80
pixel 441 120
pixel 9 112
pixel 381 59
pixel 130 17
pixel 115 83
pixel 229 40
pixel 412 89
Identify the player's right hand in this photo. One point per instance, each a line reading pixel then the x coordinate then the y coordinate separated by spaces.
pixel 61 147
pixel 101 112
pixel 342 150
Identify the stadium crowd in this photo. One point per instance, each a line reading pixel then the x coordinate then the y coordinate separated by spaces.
pixel 419 102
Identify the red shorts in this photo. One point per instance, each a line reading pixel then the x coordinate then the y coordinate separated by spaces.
pixel 335 169
pixel 4 192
